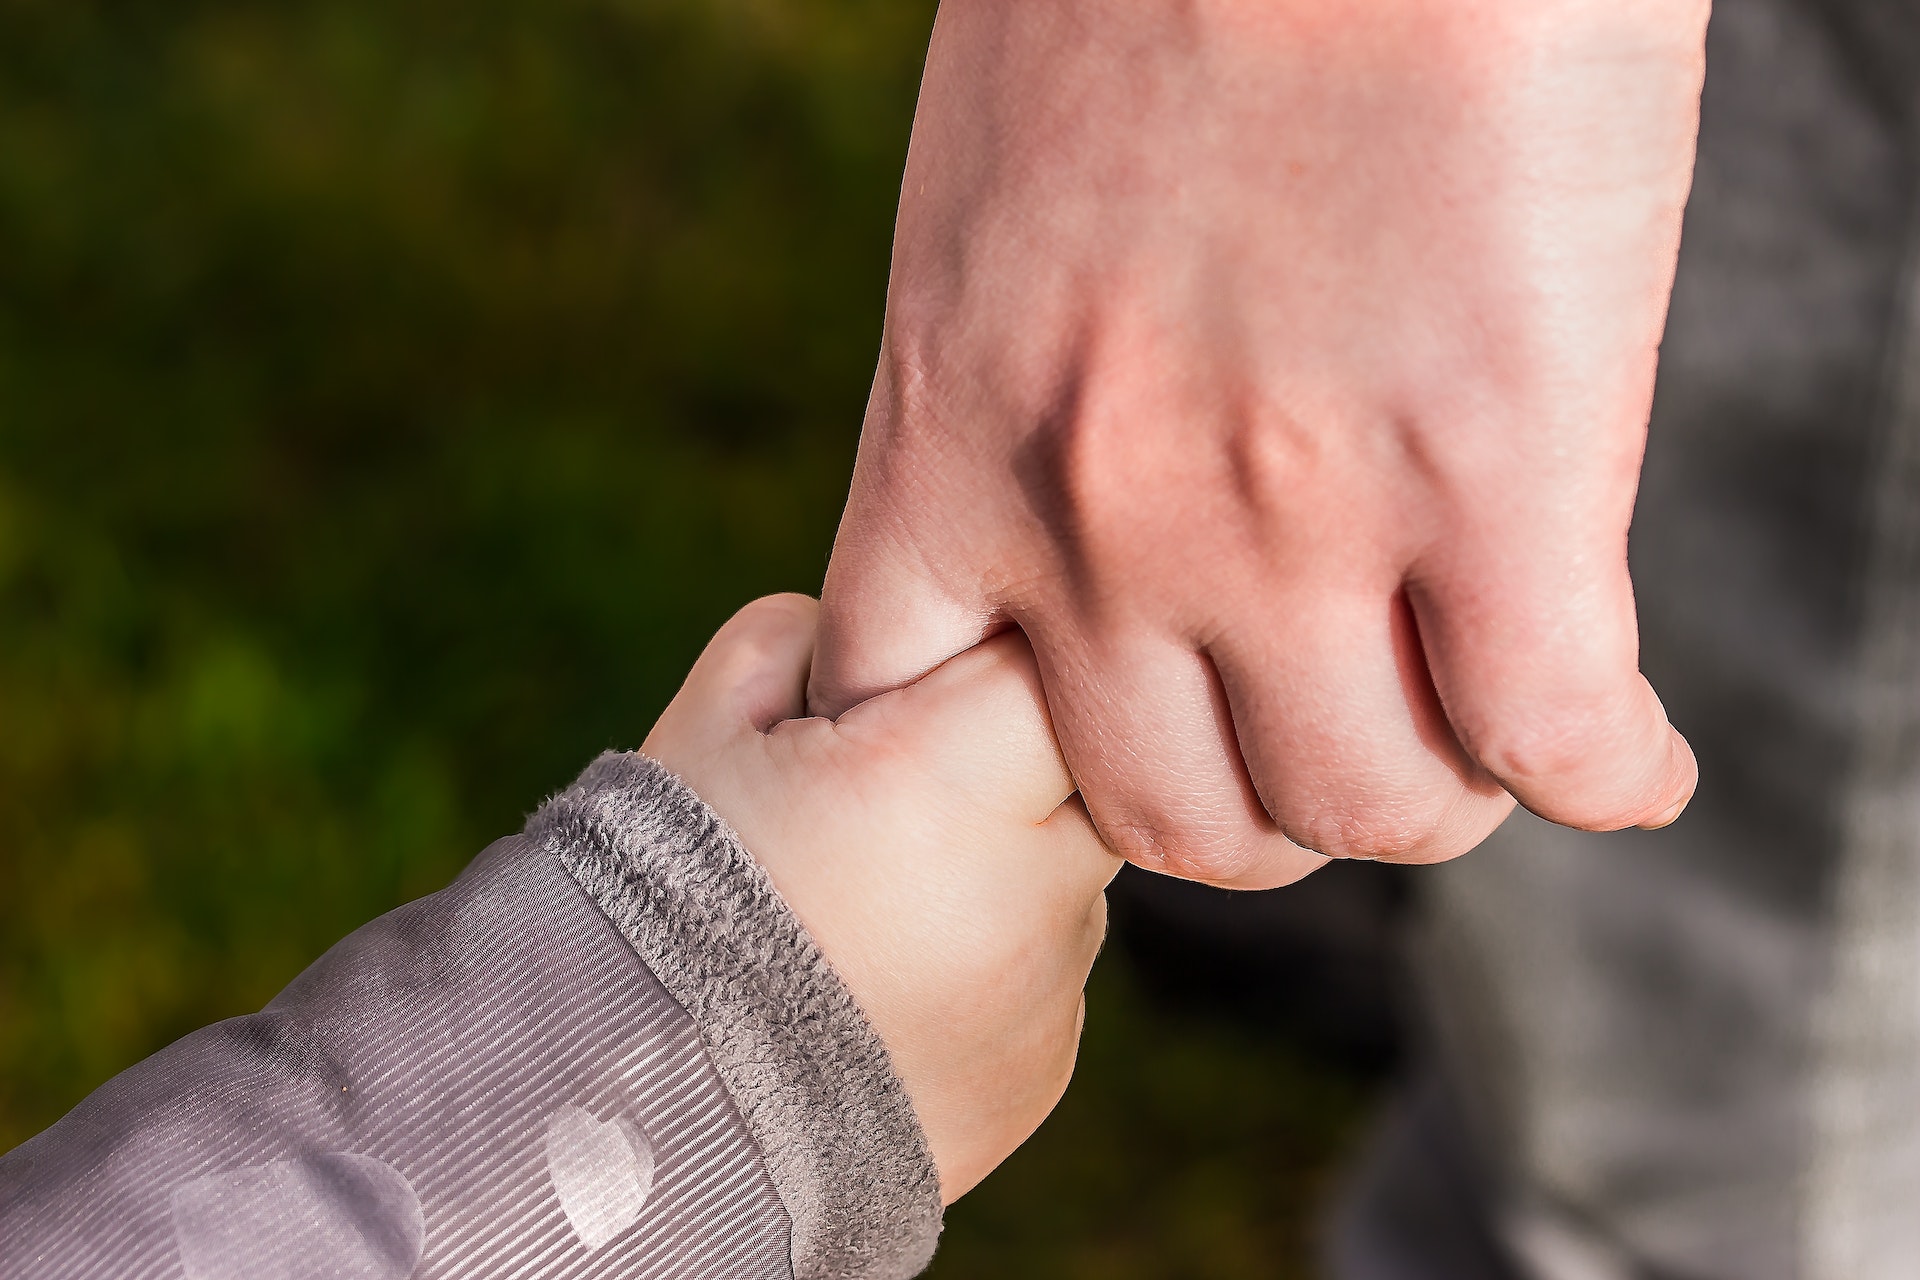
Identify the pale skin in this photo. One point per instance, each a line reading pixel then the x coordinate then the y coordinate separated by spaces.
pixel 931 842
pixel 1281 368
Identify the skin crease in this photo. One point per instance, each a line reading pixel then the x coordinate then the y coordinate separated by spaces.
pixel 1282 369
pixel 931 842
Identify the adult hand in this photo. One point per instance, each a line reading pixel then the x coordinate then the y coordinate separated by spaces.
pixel 1282 368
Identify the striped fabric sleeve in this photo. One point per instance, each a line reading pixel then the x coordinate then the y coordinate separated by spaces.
pixel 607 1049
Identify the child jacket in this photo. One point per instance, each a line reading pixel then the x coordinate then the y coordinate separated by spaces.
pixel 607 1049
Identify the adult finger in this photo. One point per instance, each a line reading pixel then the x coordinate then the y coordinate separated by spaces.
pixel 1144 723
pixel 885 617
pixel 979 722
pixel 1343 734
pixel 1535 654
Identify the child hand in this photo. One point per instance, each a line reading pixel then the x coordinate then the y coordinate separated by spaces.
pixel 932 843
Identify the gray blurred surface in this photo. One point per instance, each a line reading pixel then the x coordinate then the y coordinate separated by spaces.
pixel 1696 1052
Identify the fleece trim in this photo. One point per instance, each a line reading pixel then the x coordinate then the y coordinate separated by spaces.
pixel 810 1076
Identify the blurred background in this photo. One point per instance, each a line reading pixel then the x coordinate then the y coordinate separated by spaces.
pixel 394 394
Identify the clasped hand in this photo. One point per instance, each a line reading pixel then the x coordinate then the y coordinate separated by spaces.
pixel 1282 370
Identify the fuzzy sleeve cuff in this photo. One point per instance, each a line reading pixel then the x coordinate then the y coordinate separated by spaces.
pixel 808 1073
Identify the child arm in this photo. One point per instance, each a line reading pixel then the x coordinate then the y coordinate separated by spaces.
pixel 491 1077
pixel 612 1046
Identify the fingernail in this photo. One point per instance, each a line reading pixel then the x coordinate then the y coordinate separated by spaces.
pixel 1671 813
pixel 1668 816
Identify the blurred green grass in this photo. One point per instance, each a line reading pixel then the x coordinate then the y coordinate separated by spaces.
pixel 393 396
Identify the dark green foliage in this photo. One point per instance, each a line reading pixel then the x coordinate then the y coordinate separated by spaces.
pixel 392 398
pixel 394 394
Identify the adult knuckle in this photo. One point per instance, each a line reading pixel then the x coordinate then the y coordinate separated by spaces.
pixel 1176 847
pixel 1087 473
pixel 1542 748
pixel 1382 831
pixel 1579 764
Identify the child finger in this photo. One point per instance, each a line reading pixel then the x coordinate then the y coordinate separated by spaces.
pixel 980 719
pixel 751 676
pixel 1082 862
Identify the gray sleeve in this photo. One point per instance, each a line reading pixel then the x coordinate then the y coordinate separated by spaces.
pixel 607 1049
